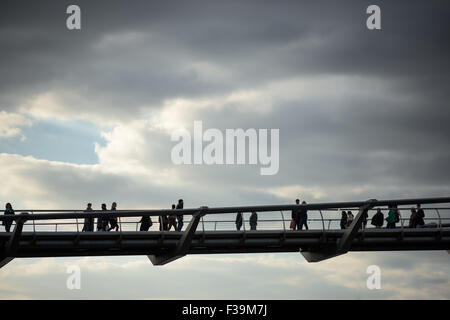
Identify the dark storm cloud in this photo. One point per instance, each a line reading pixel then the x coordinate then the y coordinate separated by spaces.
pixel 257 42
pixel 141 53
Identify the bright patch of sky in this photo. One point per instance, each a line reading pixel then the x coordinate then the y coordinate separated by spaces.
pixel 65 141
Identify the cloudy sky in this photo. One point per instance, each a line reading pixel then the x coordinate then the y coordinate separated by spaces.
pixel 87 116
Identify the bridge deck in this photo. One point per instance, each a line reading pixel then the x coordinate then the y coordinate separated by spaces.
pixel 26 240
pixel 54 244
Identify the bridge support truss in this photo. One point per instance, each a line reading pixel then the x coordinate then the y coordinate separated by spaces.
pixel 345 242
pixel 183 244
pixel 11 247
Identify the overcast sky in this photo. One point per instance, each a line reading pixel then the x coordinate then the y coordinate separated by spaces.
pixel 87 116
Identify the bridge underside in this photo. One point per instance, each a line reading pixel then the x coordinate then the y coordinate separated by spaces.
pixel 315 245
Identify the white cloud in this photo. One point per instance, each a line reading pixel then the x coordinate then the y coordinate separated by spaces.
pixel 291 192
pixel 258 276
pixel 11 124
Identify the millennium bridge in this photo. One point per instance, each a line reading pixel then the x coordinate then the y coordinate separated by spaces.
pixel 58 233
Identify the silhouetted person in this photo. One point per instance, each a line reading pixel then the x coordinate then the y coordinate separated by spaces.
pixel 349 218
pixel 239 221
pixel 180 205
pixel 343 220
pixel 173 220
pixel 253 220
pixel 88 222
pixel 303 217
pixel 102 221
pixel 113 218
pixel 420 217
pixel 8 211
pixel 413 218
pixel 364 217
pixel 392 217
pixel 295 215
pixel 378 219
pixel 146 223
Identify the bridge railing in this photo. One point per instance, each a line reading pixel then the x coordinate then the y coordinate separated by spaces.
pixel 327 219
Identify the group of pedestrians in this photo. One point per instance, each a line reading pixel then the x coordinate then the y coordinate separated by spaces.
pixel 167 222
pixel 347 219
pixel 253 220
pixel 104 223
pixel 299 217
pixel 416 219
pixel 109 222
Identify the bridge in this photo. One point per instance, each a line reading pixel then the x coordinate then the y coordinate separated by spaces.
pixel 58 233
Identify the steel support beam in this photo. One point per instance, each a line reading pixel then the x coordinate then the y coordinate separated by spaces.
pixel 182 245
pixel 350 233
pixel 12 245
pixel 346 240
pixel 316 256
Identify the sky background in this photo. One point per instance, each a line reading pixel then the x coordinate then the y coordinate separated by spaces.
pixel 87 116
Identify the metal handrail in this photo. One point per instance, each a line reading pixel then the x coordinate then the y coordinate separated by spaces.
pixel 213 221
pixel 270 223
pixel 64 214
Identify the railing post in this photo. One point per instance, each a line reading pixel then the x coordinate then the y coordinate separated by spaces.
pixel 439 218
pixel 284 225
pixel 243 224
pixel 282 218
pixel 401 223
pixel 34 228
pixel 324 235
pixel 440 225
pixel 323 223
pixel 78 230
pixel 203 228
